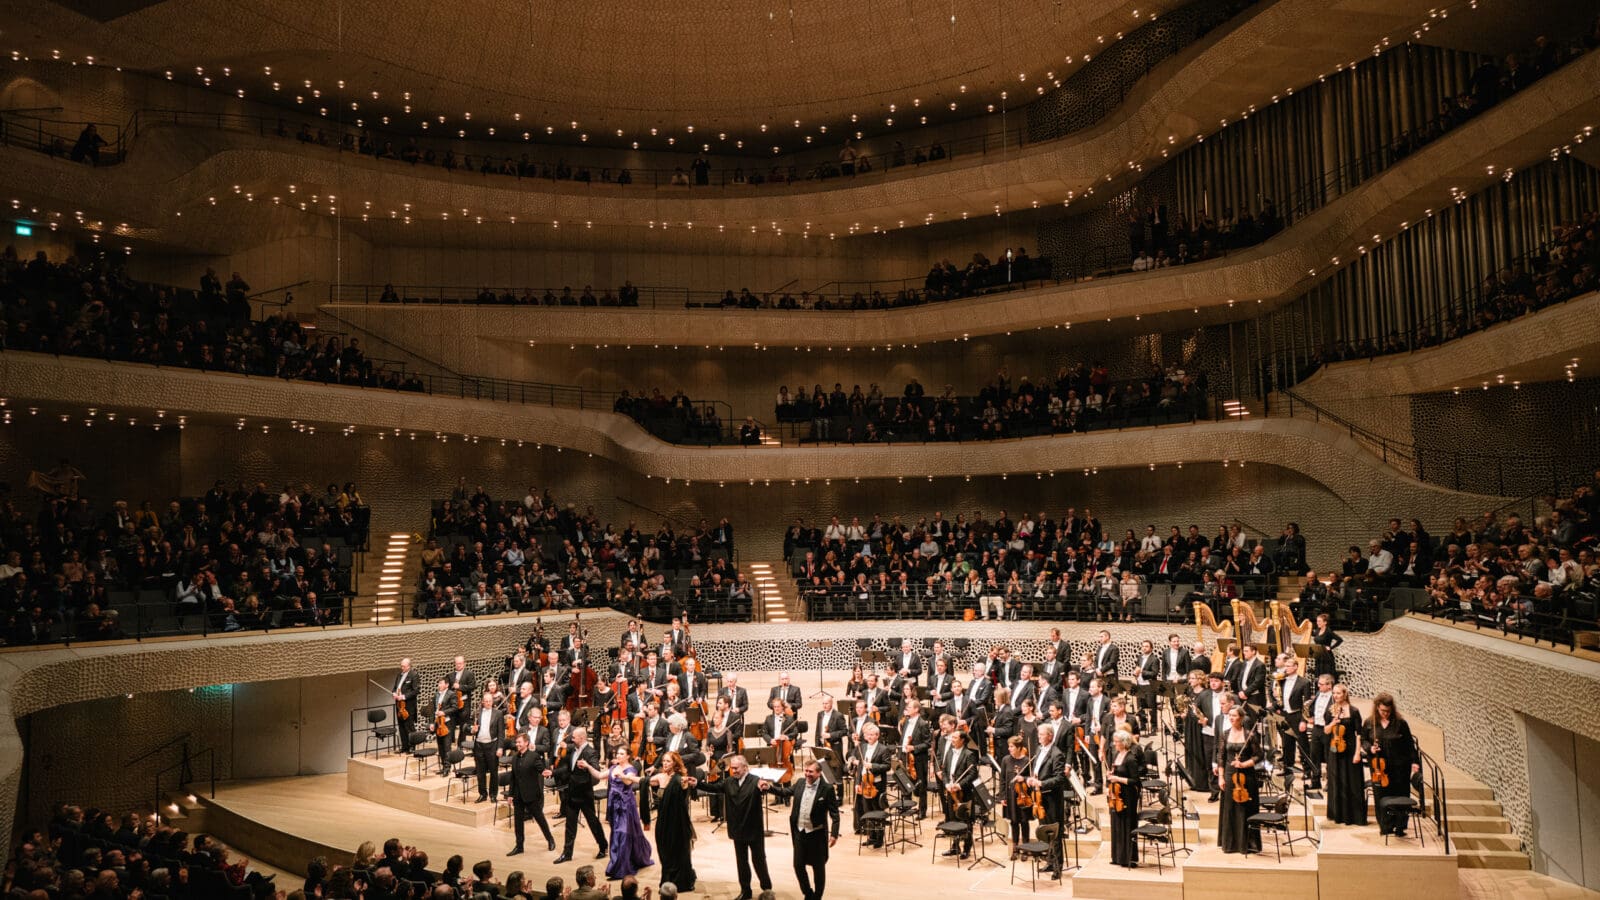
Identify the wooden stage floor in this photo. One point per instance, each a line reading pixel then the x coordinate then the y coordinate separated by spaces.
pixel 284 821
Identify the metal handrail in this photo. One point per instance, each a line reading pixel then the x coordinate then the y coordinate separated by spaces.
pixel 1441 801
pixel 1419 461
pixel 152 752
pixel 185 770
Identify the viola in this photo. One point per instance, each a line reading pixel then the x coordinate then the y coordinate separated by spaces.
pixel 1241 793
pixel 638 736
pixel 511 726
pixel 461 699
pixel 402 712
pixel 869 787
pixel 1114 799
pixel 440 726
pixel 1380 772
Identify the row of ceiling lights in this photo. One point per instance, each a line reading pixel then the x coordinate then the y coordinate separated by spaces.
pixel 307 94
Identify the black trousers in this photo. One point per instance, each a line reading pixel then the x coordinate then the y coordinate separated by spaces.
pixel 811 862
pixel 1319 754
pixel 1290 738
pixel 748 854
pixel 571 809
pixel 403 726
pixel 443 743
pixel 530 809
pixel 487 762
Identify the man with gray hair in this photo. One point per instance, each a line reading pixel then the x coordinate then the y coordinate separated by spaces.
pixel 681 742
pixel 669 891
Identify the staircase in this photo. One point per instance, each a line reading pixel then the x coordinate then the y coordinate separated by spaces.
pixel 1482 836
pixel 773 603
pixel 396 573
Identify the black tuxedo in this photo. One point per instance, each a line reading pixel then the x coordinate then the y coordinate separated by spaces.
pixel 811 842
pixel 405 684
pixel 527 791
pixel 957 767
pixel 688 748
pixel 905 662
pixel 740 699
pixel 520 709
pixel 1291 697
pixel 515 677
pixel 464 681
pixel 981 691
pixel 1105 662
pixel 878 766
pixel 790 695
pixel 486 753
pixel 915 736
pixel 939 691
pixel 1175 665
pixel 577 795
pixel 741 804
pixel 1253 682
pixel 553 696
pixel 831 735
pixel 1061 652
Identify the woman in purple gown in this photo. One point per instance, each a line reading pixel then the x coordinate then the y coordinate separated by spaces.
pixel 630 849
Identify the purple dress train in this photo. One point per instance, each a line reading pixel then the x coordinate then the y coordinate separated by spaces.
pixel 630 849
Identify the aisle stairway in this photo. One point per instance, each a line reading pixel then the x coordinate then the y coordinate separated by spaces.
pixel 398 570
pixel 772 601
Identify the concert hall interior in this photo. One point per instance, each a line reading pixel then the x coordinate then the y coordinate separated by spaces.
pixel 1109 449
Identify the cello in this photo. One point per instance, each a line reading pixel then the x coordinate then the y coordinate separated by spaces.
pixel 784 744
pixel 691 667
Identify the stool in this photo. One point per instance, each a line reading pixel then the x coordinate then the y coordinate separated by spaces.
pixel 952 831
pixel 1410 807
pixel 871 824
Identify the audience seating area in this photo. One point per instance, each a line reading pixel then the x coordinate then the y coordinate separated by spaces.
pixel 92 853
pixel 486 556
pixel 241 560
pixel 1078 399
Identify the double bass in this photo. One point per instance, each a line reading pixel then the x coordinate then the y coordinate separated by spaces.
pixel 581 688
pixel 691 667
pixel 784 744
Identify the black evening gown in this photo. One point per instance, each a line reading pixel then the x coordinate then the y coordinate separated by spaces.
pixel 1196 764
pixel 1328 641
pixel 675 836
pixel 1347 794
pixel 1233 816
pixel 1399 753
pixel 1124 846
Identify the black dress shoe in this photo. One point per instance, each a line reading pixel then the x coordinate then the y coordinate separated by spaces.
pixel 600 855
pixel 951 852
pixel 480 799
pixel 552 844
pixel 514 851
pixel 563 858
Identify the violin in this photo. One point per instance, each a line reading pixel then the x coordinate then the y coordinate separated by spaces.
pixel 1036 798
pixel 1241 793
pixel 402 712
pixel 1337 741
pixel 713 771
pixel 1114 799
pixel 461 699
pixel 1380 771
pixel 440 726
pixel 869 787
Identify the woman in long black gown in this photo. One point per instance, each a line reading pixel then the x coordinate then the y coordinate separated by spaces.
pixel 1195 763
pixel 1391 749
pixel 1347 794
pixel 1122 789
pixel 1325 639
pixel 674 833
pixel 1238 755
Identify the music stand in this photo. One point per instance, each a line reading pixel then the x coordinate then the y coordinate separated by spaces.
pixel 820 646
pixel 828 762
pixel 767 758
pixel 985 823
pixel 873 658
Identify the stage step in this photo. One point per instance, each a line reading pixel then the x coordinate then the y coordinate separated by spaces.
pixel 1479 824
pixel 1494 859
pixel 1467 840
pixel 379 780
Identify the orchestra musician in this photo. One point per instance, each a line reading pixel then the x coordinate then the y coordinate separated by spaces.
pixel 569 642
pixel 1015 768
pixel 915 738
pixel 1087 670
pixel 857 684
pixel 939 686
pixel 740 696
pixel 907 667
pixel 1290 693
pixel 955 776
pixel 724 738
pixel 940 653
pixel 785 691
pixel 447 716
pixel 877 698
pixel 1252 685
pixel 1392 760
pixel 681 742
pixel 552 691
pixel 871 759
pixel 980 689
pixel 633 639
pixel 1028 725
pixel 561 736
pixel 1199 658
pixel 1058 651
pixel 1238 755
pixel 1196 722
pixel 1048 775
pixel 1106 658
pixel 405 697
pixel 486 733
pixel 1347 798
pixel 1315 713
pixel 491 689
pixel 1147 675
pixel 863 715
pixel 1095 709
pixel 526 704
pixel 463 682
pixel 970 717
pixel 638 700
pixel 672 701
pixel 1122 775
pixel 1176 663
pixel 573 775
pixel 615 738
pixel 831 728
pixel 1004 723
pixel 517 673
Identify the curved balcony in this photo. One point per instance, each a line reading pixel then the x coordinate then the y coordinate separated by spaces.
pixel 1514 135
pixel 1288 43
